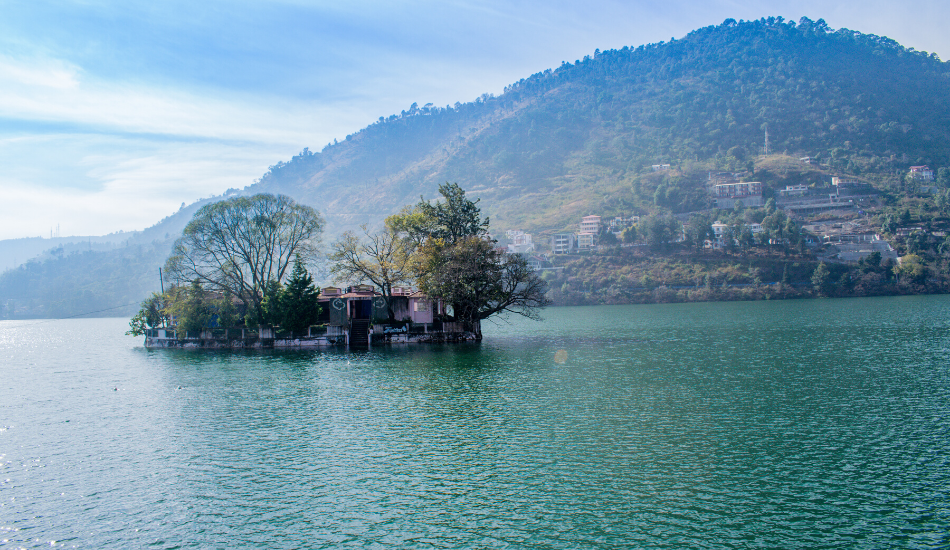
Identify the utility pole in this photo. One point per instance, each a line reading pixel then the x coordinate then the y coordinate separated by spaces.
pixel 161 281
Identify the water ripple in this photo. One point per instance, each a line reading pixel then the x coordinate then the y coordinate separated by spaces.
pixel 802 424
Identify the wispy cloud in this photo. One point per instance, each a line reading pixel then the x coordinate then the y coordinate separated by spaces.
pixel 54 91
pixel 113 113
pixel 129 188
pixel 38 73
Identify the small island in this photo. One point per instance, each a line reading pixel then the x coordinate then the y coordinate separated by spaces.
pixel 230 287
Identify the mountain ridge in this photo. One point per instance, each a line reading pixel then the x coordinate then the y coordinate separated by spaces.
pixel 575 109
pixel 580 138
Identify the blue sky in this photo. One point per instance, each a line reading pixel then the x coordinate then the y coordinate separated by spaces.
pixel 113 113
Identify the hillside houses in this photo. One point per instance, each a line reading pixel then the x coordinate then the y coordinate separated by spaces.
pixel 619 223
pixel 923 173
pixel 519 242
pixel 590 229
pixel 794 191
pixel 719 232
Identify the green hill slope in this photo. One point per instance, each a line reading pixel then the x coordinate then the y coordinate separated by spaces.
pixel 581 138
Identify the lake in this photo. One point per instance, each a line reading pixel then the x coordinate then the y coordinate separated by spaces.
pixel 813 423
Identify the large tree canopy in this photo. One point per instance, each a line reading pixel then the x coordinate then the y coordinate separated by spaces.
pixel 454 260
pixel 479 280
pixel 239 245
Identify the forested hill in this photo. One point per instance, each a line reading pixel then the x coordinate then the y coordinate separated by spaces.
pixel 581 137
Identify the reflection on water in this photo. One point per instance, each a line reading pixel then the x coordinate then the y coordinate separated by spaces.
pixel 811 423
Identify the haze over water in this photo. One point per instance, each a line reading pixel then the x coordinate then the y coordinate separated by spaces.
pixel 819 423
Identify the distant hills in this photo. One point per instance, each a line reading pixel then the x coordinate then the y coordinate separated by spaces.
pixel 100 276
pixel 581 138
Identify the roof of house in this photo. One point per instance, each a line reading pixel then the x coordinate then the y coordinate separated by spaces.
pixel 364 294
pixel 360 295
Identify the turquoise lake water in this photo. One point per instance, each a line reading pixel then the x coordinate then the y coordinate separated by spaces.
pixel 818 424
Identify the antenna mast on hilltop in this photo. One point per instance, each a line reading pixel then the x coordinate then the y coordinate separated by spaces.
pixel 766 139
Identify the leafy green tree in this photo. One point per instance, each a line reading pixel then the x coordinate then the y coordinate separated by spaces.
pixel 821 279
pixel 911 269
pixel 189 308
pixel 457 264
pixel 151 315
pixel 943 176
pixel 607 238
pixel 746 239
pixel 918 241
pixel 889 225
pixel 700 229
pixel 944 247
pixel 271 310
pixel 775 224
pixel 629 234
pixel 455 217
pixel 480 281
pixel 412 225
pixel 659 231
pixel 729 237
pixel 226 313
pixel 904 219
pixel 871 262
pixel 942 199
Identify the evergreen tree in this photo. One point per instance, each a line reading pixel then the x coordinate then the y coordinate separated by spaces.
pixel 298 300
pixel 269 313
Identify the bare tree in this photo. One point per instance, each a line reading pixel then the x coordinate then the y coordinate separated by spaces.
pixel 239 245
pixel 381 258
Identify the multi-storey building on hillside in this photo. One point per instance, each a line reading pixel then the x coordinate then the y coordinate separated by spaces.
pixel 586 241
pixel 590 224
pixel 749 193
pixel 563 243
